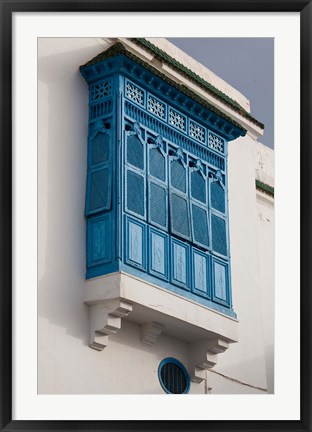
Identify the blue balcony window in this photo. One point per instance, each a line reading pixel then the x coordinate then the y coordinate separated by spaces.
pixel 156 203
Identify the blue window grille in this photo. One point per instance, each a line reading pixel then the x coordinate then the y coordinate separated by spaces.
pixel 135 93
pixel 173 376
pixel 215 142
pixel 197 132
pixel 100 90
pixel 177 119
pixel 156 107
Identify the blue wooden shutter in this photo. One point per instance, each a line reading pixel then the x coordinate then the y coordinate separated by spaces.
pixel 218 228
pixel 135 152
pixel 198 187
pixel 178 176
pixel 135 173
pixel 199 208
pixel 200 225
pixel 218 216
pixel 135 193
pixel 157 164
pixel 217 195
pixel 99 183
pixel 157 189
pixel 179 202
pixel 100 149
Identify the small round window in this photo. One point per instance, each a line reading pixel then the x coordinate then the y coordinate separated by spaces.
pixel 173 376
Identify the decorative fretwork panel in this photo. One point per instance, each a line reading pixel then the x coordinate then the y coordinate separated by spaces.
pixel 215 142
pixel 177 120
pixel 156 107
pixel 197 132
pixel 134 93
pixel 100 90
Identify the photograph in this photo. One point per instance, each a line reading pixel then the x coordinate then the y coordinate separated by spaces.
pixel 156 249
pixel 155 216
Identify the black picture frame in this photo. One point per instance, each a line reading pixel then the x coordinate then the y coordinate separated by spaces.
pixel 255 6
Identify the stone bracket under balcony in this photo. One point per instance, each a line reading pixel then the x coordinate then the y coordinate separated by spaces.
pixel 119 295
pixel 105 319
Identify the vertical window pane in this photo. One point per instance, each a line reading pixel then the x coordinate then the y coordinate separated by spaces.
pixel 218 235
pixel 100 148
pixel 178 176
pixel 217 197
pixel 157 164
pixel 158 205
pixel 198 187
pixel 135 152
pixel 200 225
pixel 135 193
pixel 180 223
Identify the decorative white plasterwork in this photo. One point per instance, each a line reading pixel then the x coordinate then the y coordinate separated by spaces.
pixel 105 319
pixel 150 333
pixel 203 355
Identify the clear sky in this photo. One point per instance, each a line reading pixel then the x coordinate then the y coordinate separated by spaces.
pixel 245 63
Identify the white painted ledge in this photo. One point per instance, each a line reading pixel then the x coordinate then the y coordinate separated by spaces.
pixel 157 310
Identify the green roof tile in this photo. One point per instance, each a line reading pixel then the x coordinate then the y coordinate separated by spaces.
pixel 119 48
pixel 163 56
pixel 265 187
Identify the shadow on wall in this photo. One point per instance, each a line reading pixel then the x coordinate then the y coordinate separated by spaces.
pixel 62 167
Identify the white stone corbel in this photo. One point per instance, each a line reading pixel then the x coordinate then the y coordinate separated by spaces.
pixel 105 319
pixel 204 355
pixel 150 333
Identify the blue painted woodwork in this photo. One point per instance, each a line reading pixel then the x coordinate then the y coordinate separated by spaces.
pixel 135 243
pixel 156 201
pixel 158 254
pixel 220 282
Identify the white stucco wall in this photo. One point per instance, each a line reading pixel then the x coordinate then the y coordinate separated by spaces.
pixel 66 364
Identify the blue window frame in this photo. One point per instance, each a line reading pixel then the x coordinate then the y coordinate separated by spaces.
pixel 173 376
